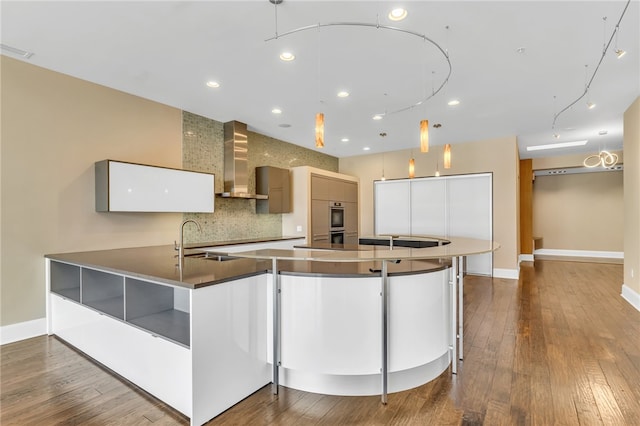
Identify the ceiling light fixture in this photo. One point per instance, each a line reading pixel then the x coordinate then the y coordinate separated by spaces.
pixel 602 132
pixel 605 159
pixel 397 14
pixel 447 157
pixel 556 145
pixel 344 140
pixel 343 94
pixel 412 168
pixel 595 71
pixel 366 148
pixel 377 26
pixel 619 52
pixel 591 105
pixel 453 102
pixel 276 111
pixel 287 56
pixel 213 84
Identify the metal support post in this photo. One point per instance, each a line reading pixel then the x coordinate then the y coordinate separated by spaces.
pixel 276 324
pixel 383 303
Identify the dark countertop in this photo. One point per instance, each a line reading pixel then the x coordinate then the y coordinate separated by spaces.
pixel 160 264
pixel 237 242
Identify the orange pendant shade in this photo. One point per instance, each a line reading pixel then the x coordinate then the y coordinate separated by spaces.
pixel 447 156
pixel 319 130
pixel 424 136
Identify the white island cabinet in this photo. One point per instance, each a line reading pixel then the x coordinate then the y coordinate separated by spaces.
pixel 129 187
pixel 200 350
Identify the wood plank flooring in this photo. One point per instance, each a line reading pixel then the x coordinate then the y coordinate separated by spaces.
pixel 559 346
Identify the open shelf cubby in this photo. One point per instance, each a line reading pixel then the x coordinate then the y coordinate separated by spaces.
pixel 65 280
pixel 155 308
pixel 103 292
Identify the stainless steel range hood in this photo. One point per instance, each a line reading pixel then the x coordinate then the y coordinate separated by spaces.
pixel 236 171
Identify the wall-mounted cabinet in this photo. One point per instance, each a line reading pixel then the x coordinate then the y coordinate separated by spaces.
pixel 129 187
pixel 276 184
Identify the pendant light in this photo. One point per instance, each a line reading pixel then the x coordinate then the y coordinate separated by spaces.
pixel 447 156
pixel 424 136
pixel 412 167
pixel 319 130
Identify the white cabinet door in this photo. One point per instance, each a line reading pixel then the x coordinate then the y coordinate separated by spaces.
pixel 128 187
pixel 469 201
pixel 428 207
pixel 392 207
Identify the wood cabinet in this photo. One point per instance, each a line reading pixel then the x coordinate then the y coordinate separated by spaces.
pixel 275 183
pixel 350 223
pixel 311 184
pixel 129 187
pixel 319 220
pixel 333 189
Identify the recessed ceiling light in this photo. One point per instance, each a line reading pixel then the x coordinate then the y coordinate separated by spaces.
pixel 556 145
pixel 344 139
pixel 377 117
pixel 521 50
pixel 366 148
pixel 276 111
pixel 557 136
pixel 287 56
pixel 343 94
pixel 453 102
pixel 602 132
pixel 591 105
pixel 213 84
pixel 284 125
pixel 398 14
pixel 620 53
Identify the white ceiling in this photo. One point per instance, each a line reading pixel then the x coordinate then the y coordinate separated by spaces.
pixel 166 51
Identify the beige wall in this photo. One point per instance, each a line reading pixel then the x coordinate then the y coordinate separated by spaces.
pixel 54 128
pixel 579 211
pixel 499 156
pixel 631 140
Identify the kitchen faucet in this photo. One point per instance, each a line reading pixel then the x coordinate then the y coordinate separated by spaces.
pixel 180 247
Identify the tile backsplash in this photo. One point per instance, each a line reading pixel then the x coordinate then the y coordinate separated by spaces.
pixel 235 219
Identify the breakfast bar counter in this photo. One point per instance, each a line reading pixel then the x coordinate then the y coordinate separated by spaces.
pixel 355 320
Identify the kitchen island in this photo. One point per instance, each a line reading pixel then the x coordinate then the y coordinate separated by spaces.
pixel 204 329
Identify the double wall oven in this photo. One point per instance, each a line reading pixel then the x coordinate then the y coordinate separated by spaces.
pixel 336 221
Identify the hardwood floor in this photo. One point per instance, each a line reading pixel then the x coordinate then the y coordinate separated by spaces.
pixel 559 346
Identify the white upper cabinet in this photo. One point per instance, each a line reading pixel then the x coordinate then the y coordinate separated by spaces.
pixel 392 204
pixel 129 187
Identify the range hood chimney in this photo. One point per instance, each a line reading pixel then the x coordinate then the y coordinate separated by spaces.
pixel 236 171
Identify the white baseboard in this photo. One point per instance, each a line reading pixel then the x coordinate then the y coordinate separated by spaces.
pixel 23 330
pixel 512 274
pixel 631 296
pixel 525 258
pixel 580 253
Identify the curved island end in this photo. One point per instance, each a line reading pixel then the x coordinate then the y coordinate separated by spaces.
pixel 390 329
